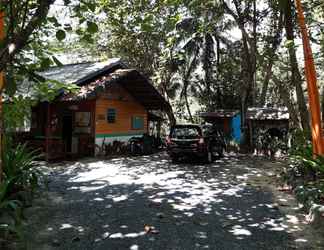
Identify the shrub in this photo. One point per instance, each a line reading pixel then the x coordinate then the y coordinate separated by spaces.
pixel 305 173
pixel 20 179
pixel 19 167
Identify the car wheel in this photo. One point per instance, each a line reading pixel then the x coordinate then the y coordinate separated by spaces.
pixel 215 152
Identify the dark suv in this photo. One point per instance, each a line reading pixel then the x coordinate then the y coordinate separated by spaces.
pixel 204 142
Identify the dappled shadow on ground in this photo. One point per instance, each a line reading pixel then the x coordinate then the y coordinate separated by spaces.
pixel 98 204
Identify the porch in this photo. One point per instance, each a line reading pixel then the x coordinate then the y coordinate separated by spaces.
pixel 63 129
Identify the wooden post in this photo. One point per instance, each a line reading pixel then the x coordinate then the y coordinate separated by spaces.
pixel 47 131
pixel 2 35
pixel 310 73
pixel 251 133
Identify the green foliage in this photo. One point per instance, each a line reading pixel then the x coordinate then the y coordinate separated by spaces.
pixel 17 109
pixel 10 211
pixel 48 90
pixel 20 179
pixel 305 173
pixel 19 167
pixel 16 112
pixel 92 27
pixel 301 156
pixel 307 161
pixel 60 35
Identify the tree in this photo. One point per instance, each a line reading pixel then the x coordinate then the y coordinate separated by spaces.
pixel 273 42
pixel 22 19
pixel 249 51
pixel 296 77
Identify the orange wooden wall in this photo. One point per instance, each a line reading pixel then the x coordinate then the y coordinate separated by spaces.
pixel 126 107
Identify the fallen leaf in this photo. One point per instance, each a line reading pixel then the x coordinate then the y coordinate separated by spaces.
pixel 147 228
pixel 150 229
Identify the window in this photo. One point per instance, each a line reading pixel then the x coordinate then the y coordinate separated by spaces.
pixel 186 132
pixel 137 122
pixel 111 115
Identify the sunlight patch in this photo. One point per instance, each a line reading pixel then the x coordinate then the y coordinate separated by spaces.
pixel 300 240
pixel 98 199
pixel 120 198
pixel 65 226
pixel 182 207
pixel 134 247
pixel 129 235
pixel 238 230
pixel 85 189
pixel 292 219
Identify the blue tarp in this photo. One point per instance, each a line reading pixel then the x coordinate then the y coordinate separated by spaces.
pixel 236 128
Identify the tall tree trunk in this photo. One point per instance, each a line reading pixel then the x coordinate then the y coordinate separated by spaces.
pixel 285 96
pixel 171 116
pixel 268 71
pixel 248 60
pixel 2 36
pixel 254 84
pixel 185 95
pixel 164 90
pixel 266 80
pixel 295 73
pixel 208 67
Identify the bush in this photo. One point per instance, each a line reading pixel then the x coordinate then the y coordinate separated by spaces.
pixel 305 173
pixel 20 179
pixel 19 167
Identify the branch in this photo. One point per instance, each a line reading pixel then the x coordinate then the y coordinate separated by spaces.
pixel 24 19
pixel 20 39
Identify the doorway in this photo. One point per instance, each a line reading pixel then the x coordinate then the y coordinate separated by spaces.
pixel 67 132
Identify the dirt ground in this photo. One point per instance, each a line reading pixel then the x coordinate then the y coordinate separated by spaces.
pixel 148 202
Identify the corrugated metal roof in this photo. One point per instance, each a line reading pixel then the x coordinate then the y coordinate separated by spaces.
pixel 220 113
pixel 75 73
pixel 267 113
pixel 253 113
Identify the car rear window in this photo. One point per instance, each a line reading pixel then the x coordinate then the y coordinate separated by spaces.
pixel 186 132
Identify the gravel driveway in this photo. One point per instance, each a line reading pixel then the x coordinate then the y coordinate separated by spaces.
pixel 149 203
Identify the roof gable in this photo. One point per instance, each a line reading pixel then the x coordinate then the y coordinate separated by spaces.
pixel 95 78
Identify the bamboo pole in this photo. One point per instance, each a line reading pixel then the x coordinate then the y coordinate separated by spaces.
pixel 310 72
pixel 2 35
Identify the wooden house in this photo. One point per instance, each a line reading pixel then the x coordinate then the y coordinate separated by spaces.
pixel 113 103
